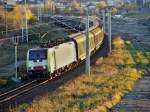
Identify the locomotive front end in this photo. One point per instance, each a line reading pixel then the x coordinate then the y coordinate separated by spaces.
pixel 37 64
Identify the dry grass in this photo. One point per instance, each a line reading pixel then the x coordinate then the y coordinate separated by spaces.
pixel 118 43
pixel 111 78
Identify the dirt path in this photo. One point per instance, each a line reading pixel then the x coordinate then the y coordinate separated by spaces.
pixel 138 100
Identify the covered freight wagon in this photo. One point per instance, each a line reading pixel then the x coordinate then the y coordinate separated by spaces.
pixel 81 44
pixel 99 35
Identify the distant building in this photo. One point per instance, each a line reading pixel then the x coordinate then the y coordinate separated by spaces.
pixel 14 2
pixel 139 2
pixel 31 1
pixel 61 5
pixel 117 2
pixel 9 2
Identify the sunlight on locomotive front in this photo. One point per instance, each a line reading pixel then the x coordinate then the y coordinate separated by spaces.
pixel 37 63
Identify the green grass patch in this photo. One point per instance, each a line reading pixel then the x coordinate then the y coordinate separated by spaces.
pixel 7 59
pixel 137 15
pixel 140 56
pixel 7 53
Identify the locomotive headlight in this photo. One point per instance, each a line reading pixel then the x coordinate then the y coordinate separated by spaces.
pixel 44 67
pixel 30 68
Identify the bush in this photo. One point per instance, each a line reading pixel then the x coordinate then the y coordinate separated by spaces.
pixel 7 55
pixel 23 71
pixel 118 43
pixel 140 58
pixel 33 20
pixel 3 82
pixel 99 61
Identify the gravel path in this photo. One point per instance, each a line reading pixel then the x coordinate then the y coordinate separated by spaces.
pixel 138 100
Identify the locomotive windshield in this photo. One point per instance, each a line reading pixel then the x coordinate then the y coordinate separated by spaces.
pixel 38 54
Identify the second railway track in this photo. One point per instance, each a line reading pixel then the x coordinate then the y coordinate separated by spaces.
pixel 7 96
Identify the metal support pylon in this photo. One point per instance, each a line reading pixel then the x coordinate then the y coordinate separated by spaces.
pixel 109 29
pixel 87 44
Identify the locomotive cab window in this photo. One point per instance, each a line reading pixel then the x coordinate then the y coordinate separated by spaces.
pixel 38 54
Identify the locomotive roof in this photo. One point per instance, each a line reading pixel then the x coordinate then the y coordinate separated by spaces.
pixel 39 48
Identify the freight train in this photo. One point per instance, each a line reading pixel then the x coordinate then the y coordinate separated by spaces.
pixel 51 61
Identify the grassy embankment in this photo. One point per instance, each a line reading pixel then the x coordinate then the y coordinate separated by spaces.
pixel 111 78
pixel 7 59
pixel 137 15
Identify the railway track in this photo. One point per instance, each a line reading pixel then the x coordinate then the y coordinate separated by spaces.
pixel 16 91
pixel 8 96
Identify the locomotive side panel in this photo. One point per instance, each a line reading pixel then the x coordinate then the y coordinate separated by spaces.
pixel 64 54
pixel 50 59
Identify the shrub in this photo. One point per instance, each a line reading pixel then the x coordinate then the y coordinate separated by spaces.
pixel 3 82
pixel 130 72
pixel 140 58
pixel 99 61
pixel 106 69
pixel 33 20
pixel 118 43
pixel 23 71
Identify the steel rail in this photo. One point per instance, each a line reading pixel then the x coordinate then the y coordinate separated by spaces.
pixel 13 94
pixel 8 92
